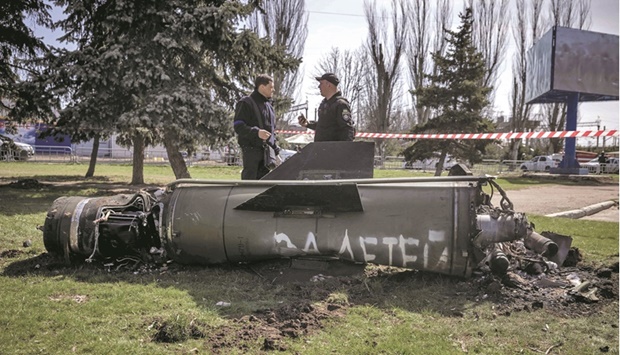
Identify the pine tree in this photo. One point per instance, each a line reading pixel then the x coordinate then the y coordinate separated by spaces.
pixel 457 94
pixel 18 47
pixel 161 71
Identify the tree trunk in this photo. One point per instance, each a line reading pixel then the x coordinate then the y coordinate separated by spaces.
pixel 137 177
pixel 442 158
pixel 514 149
pixel 177 163
pixel 93 157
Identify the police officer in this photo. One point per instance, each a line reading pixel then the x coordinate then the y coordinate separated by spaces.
pixel 602 162
pixel 250 133
pixel 335 122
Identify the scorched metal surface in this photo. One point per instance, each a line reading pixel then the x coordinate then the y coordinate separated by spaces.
pixel 444 225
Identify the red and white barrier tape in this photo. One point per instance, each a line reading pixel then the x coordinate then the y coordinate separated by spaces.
pixel 508 135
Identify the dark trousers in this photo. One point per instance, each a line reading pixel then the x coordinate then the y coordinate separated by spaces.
pixel 253 164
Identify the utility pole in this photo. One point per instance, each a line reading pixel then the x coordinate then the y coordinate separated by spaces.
pixel 598 128
pixel 596 123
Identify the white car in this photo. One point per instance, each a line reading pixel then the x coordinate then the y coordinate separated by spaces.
pixel 611 166
pixel 539 163
pixel 431 164
pixel 12 150
pixel 285 154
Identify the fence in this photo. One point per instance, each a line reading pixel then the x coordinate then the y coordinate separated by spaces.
pixel 159 156
pixel 488 166
pixel 63 154
pixel 50 153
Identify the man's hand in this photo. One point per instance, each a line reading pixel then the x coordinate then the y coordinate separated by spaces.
pixel 302 120
pixel 263 134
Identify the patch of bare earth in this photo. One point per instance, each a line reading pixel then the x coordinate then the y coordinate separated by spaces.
pixel 270 326
pixel 569 292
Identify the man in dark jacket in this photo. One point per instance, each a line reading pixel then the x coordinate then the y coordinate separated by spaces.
pixel 602 163
pixel 252 133
pixel 335 122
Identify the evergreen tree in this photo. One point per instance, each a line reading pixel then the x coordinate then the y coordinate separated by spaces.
pixel 157 71
pixel 18 46
pixel 458 96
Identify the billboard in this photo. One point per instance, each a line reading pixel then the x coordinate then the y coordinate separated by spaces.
pixel 539 67
pixel 30 133
pixel 567 60
pixel 26 133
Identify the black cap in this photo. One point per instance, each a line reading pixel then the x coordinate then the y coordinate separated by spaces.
pixel 331 77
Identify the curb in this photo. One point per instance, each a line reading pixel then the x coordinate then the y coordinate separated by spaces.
pixel 585 211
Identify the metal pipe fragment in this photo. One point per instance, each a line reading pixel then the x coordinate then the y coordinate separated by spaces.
pixel 502 228
pixel 541 245
pixel 498 262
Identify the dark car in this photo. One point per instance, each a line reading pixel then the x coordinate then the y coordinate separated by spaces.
pixel 11 150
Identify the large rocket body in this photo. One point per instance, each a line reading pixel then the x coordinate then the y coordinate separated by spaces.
pixel 427 224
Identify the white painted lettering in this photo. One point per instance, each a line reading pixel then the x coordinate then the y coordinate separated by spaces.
pixel 402 243
pixel 281 237
pixel 346 245
pixel 436 236
pixel 443 259
pixel 363 242
pixel 390 242
pixel 311 240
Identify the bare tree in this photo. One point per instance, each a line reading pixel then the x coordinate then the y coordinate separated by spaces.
pixel 386 45
pixel 526 29
pixel 347 65
pixel 490 35
pixel 582 19
pixel 285 22
pixel 421 43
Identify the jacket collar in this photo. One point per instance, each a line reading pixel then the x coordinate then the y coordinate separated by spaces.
pixel 258 97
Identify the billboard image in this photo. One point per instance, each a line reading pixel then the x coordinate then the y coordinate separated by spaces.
pixel 586 62
pixel 539 67
pixel 26 133
pixel 567 60
pixel 30 133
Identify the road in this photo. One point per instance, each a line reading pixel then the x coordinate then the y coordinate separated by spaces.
pixel 547 199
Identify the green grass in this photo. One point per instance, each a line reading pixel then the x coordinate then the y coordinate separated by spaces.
pixel 49 307
pixel 595 239
pixel 117 173
pixel 162 174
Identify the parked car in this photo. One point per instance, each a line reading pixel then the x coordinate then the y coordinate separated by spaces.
pixel 285 154
pixel 611 166
pixel 11 150
pixel 539 163
pixel 430 163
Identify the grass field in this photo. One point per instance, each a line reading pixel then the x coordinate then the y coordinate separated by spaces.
pixel 52 308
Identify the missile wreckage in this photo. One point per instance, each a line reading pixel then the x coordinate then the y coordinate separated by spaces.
pixel 444 225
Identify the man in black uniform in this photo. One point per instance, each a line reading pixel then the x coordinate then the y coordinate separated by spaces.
pixel 250 133
pixel 335 122
pixel 602 163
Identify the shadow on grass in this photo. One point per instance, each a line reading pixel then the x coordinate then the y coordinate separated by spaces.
pixel 65 178
pixel 36 197
pixel 264 309
pixel 273 284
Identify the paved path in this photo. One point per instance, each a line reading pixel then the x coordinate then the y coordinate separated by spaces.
pixel 547 199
